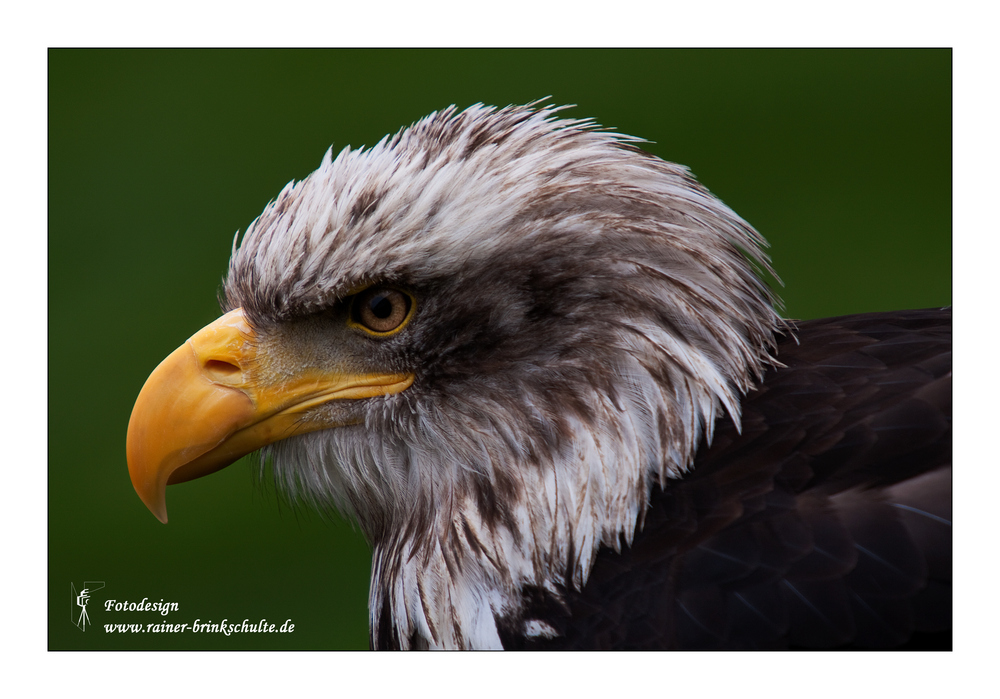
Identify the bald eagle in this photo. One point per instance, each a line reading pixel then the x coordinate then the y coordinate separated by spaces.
pixel 542 371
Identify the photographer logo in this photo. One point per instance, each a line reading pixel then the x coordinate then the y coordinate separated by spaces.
pixel 79 599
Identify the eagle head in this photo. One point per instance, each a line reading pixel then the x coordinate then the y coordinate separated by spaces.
pixel 484 339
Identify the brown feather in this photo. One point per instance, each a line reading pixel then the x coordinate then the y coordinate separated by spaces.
pixel 825 523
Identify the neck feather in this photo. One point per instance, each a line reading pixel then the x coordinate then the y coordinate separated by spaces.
pixel 467 538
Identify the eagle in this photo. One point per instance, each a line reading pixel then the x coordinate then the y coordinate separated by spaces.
pixel 545 373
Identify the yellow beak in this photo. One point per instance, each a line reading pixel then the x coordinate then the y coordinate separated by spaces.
pixel 218 397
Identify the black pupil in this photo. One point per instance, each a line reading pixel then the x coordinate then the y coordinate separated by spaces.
pixel 380 306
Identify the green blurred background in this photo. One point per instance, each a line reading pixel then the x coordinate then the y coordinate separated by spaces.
pixel 841 158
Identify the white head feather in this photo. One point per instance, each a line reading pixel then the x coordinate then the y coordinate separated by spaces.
pixel 619 313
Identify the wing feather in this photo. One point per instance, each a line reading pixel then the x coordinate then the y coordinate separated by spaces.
pixel 824 523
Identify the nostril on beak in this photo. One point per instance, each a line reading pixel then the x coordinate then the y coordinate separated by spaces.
pixel 221 369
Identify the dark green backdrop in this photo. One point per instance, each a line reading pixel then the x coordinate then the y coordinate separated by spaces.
pixel 842 159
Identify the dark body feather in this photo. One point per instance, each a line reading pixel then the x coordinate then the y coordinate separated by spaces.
pixel 825 523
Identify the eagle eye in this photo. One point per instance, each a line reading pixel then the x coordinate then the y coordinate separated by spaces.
pixel 381 310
